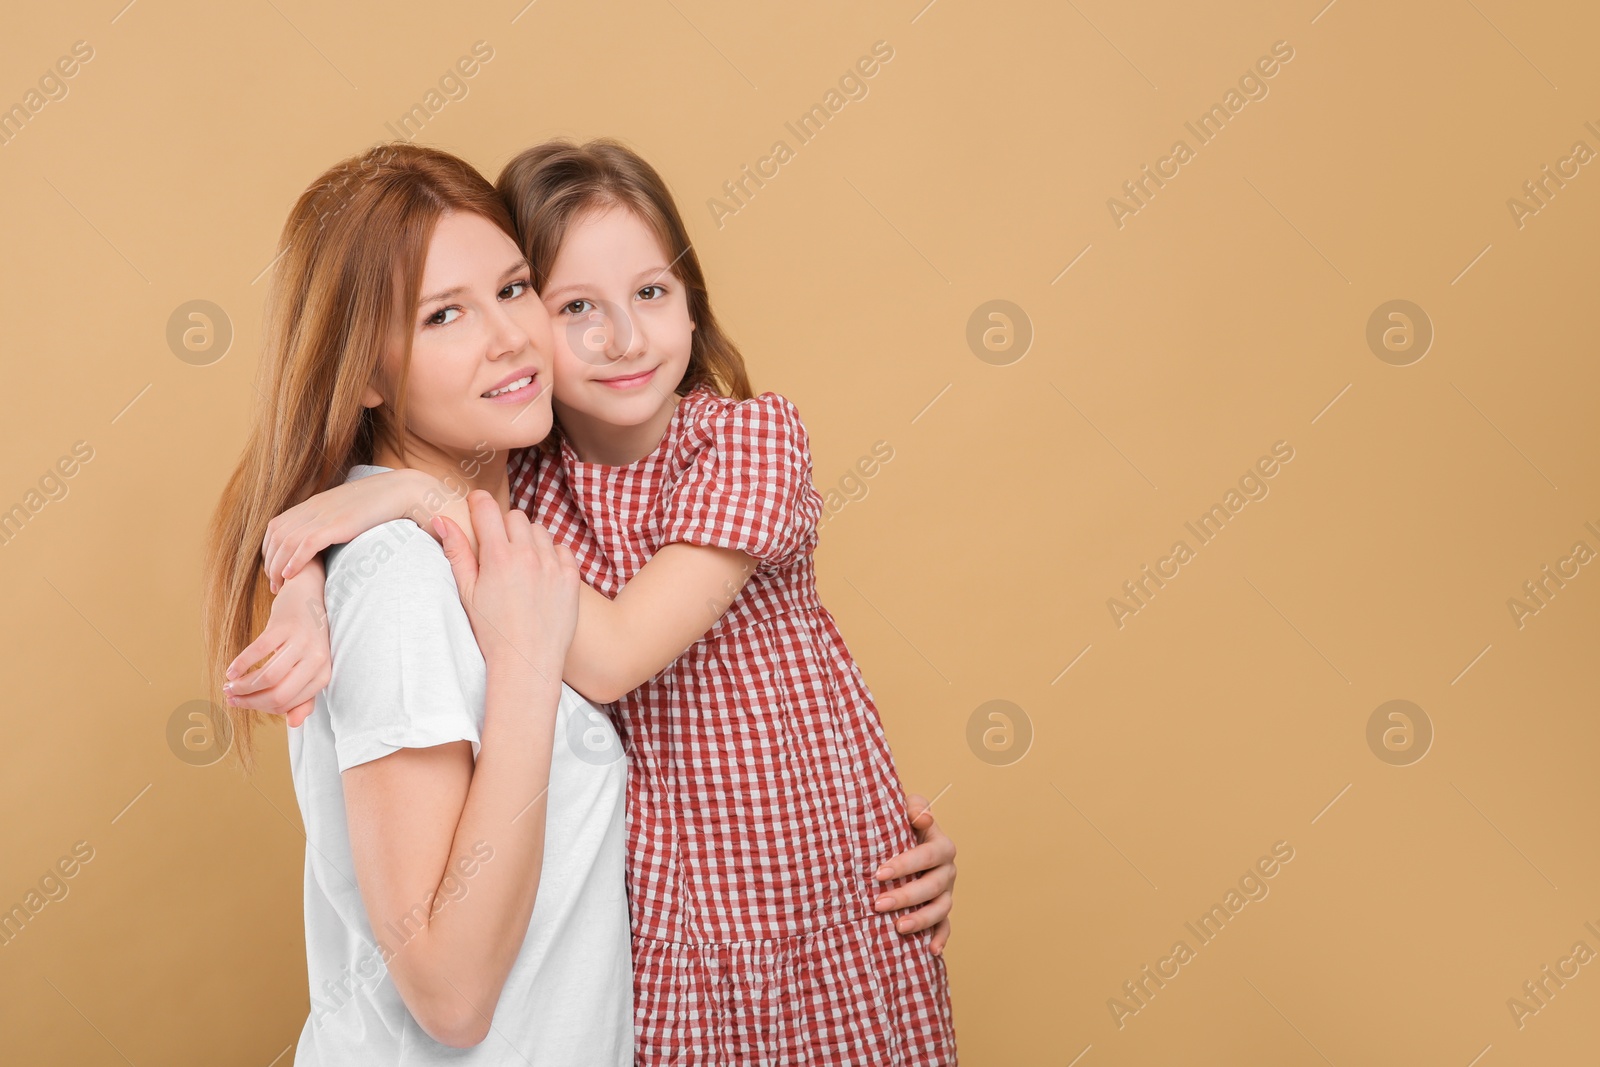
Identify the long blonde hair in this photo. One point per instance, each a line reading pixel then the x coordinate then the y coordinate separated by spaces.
pixel 347 279
pixel 548 186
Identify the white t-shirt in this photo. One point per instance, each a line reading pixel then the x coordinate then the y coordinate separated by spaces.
pixel 407 673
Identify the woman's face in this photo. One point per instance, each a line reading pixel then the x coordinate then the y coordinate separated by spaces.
pixel 480 346
pixel 622 327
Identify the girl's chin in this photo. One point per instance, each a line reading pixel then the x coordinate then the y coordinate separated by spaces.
pixel 620 411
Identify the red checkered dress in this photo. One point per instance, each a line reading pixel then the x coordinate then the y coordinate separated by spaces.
pixel 761 792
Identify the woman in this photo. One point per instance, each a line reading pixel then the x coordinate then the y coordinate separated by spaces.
pixel 464 862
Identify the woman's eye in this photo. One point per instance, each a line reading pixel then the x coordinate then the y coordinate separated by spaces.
pixel 521 286
pixel 437 319
pixel 658 288
pixel 572 307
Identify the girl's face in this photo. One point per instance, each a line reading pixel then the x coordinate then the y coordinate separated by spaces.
pixel 622 325
pixel 481 347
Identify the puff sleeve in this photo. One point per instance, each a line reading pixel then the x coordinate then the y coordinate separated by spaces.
pixel 747 483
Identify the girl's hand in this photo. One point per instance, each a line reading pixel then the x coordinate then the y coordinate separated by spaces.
pixel 520 589
pixel 927 900
pixel 339 514
pixel 296 637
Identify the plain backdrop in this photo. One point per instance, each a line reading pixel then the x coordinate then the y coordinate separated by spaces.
pixel 1145 358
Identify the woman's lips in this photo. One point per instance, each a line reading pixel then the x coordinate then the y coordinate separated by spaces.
pixel 518 396
pixel 629 382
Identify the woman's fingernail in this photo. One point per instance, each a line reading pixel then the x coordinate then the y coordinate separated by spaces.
pixel 904 924
pixel 883 873
pixel 882 903
pixel 227 687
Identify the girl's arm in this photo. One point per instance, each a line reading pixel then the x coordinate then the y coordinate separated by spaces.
pixel 676 597
pixel 620 644
pixel 423 821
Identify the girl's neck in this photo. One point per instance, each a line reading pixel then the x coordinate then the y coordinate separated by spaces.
pixel 611 445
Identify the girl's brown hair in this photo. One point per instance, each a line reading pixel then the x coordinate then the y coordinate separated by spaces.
pixel 347 279
pixel 550 185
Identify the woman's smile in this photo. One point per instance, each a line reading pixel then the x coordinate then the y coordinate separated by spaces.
pixel 518 387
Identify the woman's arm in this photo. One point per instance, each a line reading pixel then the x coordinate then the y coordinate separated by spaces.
pixel 422 818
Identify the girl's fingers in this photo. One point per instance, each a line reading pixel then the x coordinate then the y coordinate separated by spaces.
pixel 254 653
pixel 312 681
pixel 281 698
pixel 934 883
pixel 917 807
pixel 933 853
pixel 276 552
pixel 282 661
pixel 929 915
pixel 298 715
pixel 941 937
pixel 302 555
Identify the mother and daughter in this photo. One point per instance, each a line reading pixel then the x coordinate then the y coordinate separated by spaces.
pixel 719 868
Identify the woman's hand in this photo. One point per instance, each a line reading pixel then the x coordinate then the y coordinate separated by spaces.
pixel 520 589
pixel 296 637
pixel 927 900
pixel 339 514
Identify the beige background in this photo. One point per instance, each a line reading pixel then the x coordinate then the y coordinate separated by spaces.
pixel 1228 314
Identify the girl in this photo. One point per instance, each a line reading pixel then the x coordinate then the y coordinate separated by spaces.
pixel 762 794
pixel 464 864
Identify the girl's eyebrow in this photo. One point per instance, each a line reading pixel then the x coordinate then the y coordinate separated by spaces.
pixel 652 271
pixel 520 265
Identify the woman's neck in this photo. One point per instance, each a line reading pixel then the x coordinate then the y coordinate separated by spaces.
pixel 459 474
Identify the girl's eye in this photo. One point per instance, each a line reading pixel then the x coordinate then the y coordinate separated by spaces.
pixel 660 289
pixel 521 285
pixel 436 319
pixel 571 307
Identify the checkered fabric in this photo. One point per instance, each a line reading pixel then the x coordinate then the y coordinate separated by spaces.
pixel 761 792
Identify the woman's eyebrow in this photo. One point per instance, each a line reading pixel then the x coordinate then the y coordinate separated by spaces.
pixel 520 265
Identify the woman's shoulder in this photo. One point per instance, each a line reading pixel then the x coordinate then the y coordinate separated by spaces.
pixel 393 559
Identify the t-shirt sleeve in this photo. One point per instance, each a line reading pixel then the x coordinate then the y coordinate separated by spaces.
pixel 407 671
pixel 748 485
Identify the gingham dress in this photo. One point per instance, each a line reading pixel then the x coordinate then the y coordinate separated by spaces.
pixel 761 792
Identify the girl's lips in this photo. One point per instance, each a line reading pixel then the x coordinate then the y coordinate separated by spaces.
pixel 518 396
pixel 628 382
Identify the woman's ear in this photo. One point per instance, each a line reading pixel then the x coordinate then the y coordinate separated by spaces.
pixel 370 398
